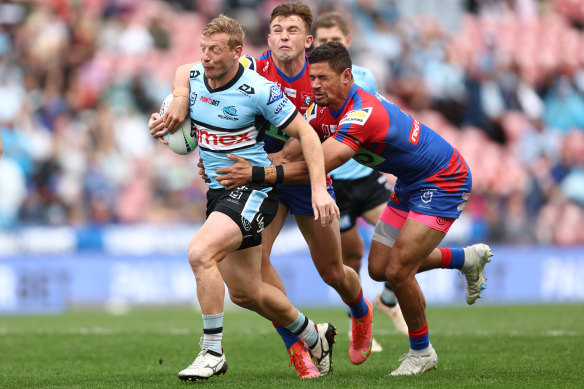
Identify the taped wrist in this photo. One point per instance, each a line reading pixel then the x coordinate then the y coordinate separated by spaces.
pixel 258 174
pixel 181 91
pixel 279 174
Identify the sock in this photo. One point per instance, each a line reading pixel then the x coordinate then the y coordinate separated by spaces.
pixel 387 296
pixel 419 339
pixel 452 258
pixel 213 332
pixel 358 307
pixel 305 329
pixel 288 337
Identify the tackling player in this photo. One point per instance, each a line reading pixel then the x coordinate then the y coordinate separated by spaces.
pixel 231 106
pixel 359 190
pixel 432 188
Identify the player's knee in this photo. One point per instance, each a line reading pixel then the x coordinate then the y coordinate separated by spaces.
pixel 353 260
pixel 200 256
pixel 243 298
pixel 376 271
pixel 332 276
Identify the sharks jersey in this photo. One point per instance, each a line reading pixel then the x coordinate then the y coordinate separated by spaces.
pixel 297 89
pixel 233 118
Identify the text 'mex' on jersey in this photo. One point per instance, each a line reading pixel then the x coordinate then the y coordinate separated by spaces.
pixel 233 118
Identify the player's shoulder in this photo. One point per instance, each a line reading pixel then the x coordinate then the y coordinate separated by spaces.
pixel 364 78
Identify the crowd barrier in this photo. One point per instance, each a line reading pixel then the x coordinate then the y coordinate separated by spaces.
pixel 156 272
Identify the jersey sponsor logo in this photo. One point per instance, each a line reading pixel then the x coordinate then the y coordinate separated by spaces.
pixel 209 100
pixel 247 62
pixel 465 195
pixel 275 94
pixel 415 132
pixel 245 223
pixel 368 158
pixel 194 74
pixel 214 140
pixel 310 113
pixel 290 92
pixel 246 89
pixel 307 99
pixel 229 113
pixel 461 206
pixel 328 129
pixel 358 116
pixel 260 222
pixel 193 98
pixel 427 196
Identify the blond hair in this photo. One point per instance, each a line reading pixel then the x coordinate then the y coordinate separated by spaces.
pixel 227 25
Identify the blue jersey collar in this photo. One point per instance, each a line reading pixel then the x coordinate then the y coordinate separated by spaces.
pixel 352 92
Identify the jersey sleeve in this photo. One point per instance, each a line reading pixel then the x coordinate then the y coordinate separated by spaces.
pixel 275 106
pixel 355 128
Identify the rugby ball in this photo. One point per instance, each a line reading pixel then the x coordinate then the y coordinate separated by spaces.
pixel 184 140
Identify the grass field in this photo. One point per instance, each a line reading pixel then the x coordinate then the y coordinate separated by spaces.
pixel 479 346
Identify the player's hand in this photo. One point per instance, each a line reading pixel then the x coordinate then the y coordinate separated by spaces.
pixel 156 126
pixel 176 113
pixel 324 207
pixel 235 175
pixel 277 158
pixel 201 169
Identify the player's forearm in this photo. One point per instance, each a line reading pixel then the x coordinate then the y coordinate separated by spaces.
pixel 289 173
pixel 180 81
pixel 312 152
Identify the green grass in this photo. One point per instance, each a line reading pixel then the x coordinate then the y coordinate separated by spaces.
pixel 479 346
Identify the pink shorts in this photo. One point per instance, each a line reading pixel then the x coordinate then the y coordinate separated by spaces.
pixel 397 218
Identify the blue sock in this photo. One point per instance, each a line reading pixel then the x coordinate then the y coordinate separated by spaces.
pixel 457 259
pixel 304 328
pixel 287 336
pixel 419 339
pixel 359 307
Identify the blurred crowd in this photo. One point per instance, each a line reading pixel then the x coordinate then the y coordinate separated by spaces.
pixel 79 80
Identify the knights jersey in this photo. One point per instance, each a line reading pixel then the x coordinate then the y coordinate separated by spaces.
pixel 353 170
pixel 297 89
pixel 233 118
pixel 384 137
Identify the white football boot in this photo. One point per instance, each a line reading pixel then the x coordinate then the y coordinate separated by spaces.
pixel 322 351
pixel 417 362
pixel 207 364
pixel 475 259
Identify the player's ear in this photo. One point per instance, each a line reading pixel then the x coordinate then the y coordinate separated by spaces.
pixel 308 41
pixel 238 51
pixel 348 39
pixel 346 76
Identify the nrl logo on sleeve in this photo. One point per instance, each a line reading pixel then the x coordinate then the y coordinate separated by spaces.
pixel 358 116
pixel 275 94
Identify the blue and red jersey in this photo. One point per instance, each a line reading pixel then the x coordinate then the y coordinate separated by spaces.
pixel 389 140
pixel 297 89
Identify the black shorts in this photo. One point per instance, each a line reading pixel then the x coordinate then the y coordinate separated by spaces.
pixel 252 207
pixel 355 197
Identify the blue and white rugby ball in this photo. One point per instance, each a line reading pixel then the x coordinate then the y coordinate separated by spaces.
pixel 184 140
